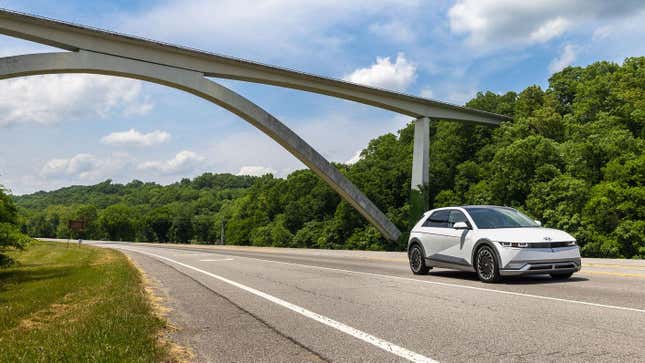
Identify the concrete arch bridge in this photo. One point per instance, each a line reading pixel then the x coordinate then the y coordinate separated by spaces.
pixel 92 51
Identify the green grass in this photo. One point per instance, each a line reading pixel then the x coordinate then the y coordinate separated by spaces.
pixel 75 305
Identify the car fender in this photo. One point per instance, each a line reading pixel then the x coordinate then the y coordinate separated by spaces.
pixel 485 242
pixel 416 241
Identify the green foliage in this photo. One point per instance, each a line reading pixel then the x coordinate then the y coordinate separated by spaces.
pixel 117 222
pixel 11 237
pixel 573 157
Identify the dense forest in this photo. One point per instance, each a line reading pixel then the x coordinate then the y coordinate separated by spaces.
pixel 573 157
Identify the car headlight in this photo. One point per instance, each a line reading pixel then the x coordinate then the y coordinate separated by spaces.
pixel 572 243
pixel 515 244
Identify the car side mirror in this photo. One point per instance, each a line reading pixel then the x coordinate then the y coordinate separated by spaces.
pixel 460 225
pixel 538 223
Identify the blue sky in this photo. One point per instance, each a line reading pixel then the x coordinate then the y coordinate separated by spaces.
pixel 78 129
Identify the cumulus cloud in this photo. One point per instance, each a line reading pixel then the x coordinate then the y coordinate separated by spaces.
pixel 255 170
pixel 133 137
pixel 385 74
pixel 185 161
pixel 496 23
pixel 565 59
pixel 85 166
pixel 52 98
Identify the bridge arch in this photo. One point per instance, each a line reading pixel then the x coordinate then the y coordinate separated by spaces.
pixel 194 82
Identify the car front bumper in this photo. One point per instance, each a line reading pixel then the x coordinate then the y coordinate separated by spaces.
pixel 528 261
pixel 534 267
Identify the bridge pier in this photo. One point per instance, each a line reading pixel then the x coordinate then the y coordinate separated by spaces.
pixel 419 198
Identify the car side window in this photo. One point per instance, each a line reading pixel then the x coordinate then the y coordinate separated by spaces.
pixel 457 216
pixel 438 219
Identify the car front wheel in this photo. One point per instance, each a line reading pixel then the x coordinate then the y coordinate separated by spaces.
pixel 417 261
pixel 486 265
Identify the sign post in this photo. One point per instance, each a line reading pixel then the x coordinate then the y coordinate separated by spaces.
pixel 76 226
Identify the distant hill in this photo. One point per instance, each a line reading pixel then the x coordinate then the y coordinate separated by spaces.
pixel 107 193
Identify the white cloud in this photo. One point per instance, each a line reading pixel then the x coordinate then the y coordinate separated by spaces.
pixel 549 30
pixel 265 30
pixel 602 33
pixel 497 23
pixel 255 170
pixel 565 59
pixel 185 161
pixel 133 137
pixel 52 98
pixel 85 166
pixel 354 159
pixel 395 31
pixel 385 74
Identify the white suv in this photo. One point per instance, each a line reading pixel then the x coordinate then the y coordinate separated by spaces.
pixel 492 241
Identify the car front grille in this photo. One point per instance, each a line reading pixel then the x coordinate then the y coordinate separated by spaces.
pixel 553 266
pixel 548 244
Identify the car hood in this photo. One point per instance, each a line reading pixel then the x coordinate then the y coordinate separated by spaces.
pixel 531 234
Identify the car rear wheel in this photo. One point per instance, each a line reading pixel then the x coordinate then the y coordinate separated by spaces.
pixel 417 260
pixel 486 265
pixel 561 276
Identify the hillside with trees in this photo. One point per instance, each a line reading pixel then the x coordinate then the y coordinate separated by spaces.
pixel 573 157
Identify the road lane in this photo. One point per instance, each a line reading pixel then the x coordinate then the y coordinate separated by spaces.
pixel 593 284
pixel 431 315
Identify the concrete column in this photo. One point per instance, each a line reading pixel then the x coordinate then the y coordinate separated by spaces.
pixel 420 169
pixel 421 153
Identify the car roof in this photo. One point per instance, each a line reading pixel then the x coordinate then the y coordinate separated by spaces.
pixel 468 206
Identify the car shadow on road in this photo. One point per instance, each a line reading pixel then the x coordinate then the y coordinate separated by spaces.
pixel 509 280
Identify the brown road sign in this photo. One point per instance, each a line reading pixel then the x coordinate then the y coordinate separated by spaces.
pixel 76 225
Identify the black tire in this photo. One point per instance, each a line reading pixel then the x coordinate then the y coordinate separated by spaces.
pixel 417 260
pixel 561 276
pixel 486 265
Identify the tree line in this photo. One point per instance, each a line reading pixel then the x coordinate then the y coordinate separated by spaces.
pixel 572 157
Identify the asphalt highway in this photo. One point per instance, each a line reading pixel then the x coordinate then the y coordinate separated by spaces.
pixel 293 305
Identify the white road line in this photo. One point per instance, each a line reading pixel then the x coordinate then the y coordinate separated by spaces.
pixel 368 338
pixel 221 259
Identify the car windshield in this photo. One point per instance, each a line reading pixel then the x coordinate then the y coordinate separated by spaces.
pixel 499 217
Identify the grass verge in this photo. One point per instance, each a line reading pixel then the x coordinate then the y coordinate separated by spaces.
pixel 76 304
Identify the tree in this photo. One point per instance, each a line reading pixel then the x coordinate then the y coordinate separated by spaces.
pixel 116 222
pixel 10 235
pixel 160 221
pixel 181 229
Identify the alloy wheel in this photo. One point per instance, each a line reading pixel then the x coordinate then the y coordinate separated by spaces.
pixel 486 264
pixel 415 259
